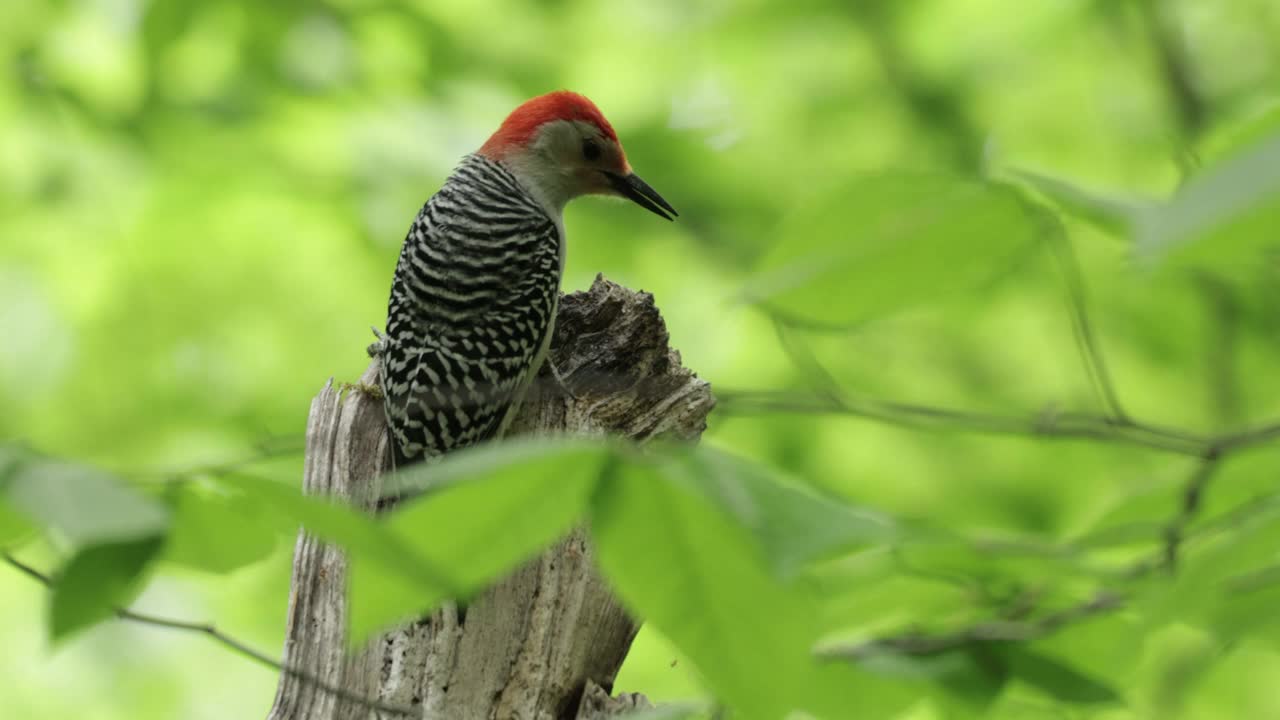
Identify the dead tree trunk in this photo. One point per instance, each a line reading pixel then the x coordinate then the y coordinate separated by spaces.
pixel 546 642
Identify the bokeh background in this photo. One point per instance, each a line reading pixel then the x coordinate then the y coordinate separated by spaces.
pixel 202 201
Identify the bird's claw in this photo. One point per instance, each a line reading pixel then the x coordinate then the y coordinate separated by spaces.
pixel 375 348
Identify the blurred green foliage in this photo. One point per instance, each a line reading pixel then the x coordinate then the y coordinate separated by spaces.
pixel 891 212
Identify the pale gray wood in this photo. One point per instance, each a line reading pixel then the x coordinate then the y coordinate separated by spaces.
pixel 546 642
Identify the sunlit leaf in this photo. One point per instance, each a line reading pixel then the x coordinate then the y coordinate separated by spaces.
pixel 11 458
pixel 216 531
pixel 1108 647
pixel 793 526
pixel 1240 133
pixel 86 505
pixel 1133 515
pixel 702 581
pixel 876 588
pixel 1001 566
pixel 97 581
pixel 1056 678
pixel 482 461
pixel 890 241
pixel 361 534
pixel 1227 583
pixel 14 527
pixel 1246 607
pixel 486 510
pixel 1222 216
pixel 965 680
pixel 1108 213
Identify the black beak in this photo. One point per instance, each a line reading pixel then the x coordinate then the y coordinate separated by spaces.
pixel 639 192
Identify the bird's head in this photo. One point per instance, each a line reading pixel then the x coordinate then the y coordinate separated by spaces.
pixel 561 146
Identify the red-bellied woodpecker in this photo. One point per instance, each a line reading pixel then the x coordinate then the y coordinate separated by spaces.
pixel 475 291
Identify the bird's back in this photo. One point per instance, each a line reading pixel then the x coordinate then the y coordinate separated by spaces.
pixel 471 306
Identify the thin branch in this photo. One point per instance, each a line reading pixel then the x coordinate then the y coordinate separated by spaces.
pixel 802 356
pixel 1175 67
pixel 933 104
pixel 1221 346
pixel 1192 495
pixel 1047 425
pixel 921 644
pixel 1262 578
pixel 1082 326
pixel 1104 601
pixel 1231 442
pixel 27 570
pixel 1234 517
pixel 226 641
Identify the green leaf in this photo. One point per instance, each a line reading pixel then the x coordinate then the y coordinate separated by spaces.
pixel 86 505
pixel 449 543
pixel 1056 678
pixel 966 680
pixel 1110 647
pixel 873 589
pixel 700 578
pixel 886 242
pixel 1241 133
pixel 12 456
pixel 1133 515
pixel 217 531
pixel 362 535
pixel 96 582
pixel 792 526
pixel 1227 582
pixel 1221 217
pixel 14 527
pixel 488 509
pixel 482 461
pixel 1110 214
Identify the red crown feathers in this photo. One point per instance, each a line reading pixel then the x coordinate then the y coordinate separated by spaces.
pixel 525 120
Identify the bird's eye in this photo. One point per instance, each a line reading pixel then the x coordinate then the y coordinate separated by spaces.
pixel 590 150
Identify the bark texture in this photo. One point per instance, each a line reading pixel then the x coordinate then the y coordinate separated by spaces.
pixel 544 643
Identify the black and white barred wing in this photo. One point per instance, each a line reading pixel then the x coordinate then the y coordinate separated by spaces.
pixel 470 308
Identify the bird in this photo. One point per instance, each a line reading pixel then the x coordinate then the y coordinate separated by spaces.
pixel 477 283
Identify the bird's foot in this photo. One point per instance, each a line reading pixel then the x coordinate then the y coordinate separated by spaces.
pixel 375 348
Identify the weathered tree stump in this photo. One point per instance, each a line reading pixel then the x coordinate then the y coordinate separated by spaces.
pixel 544 643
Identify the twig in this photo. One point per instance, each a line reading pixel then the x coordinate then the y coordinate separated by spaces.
pixel 227 641
pixel 1048 425
pixel 933 104
pixel 1102 602
pixel 1254 580
pixel 1191 497
pixel 987 632
pixel 1233 517
pixel 803 357
pixel 1221 343
pixel 1082 327
pixel 1231 442
pixel 1175 67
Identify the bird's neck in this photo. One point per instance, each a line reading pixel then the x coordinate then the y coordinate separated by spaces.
pixel 550 187
pixel 546 192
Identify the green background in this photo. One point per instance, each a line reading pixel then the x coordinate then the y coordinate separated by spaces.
pixel 202 202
